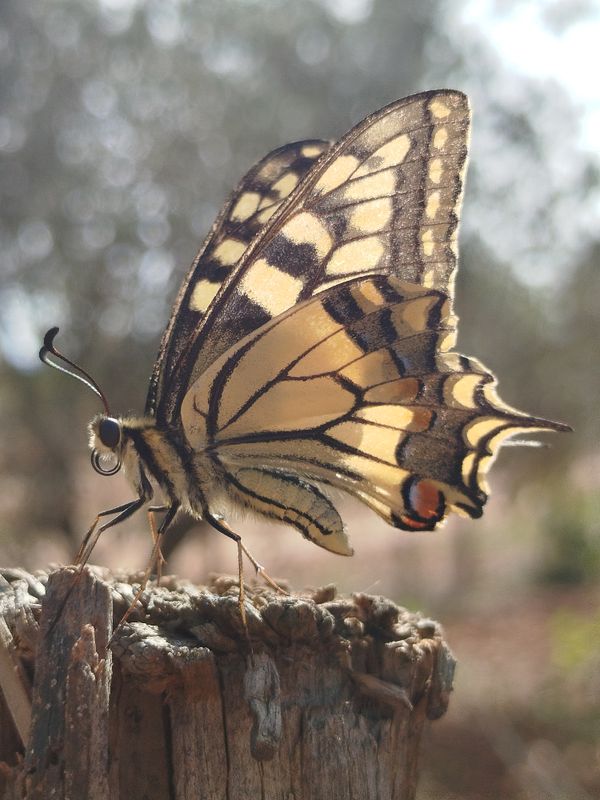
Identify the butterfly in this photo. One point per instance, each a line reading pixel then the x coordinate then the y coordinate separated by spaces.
pixel 310 345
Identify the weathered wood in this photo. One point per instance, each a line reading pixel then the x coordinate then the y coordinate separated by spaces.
pixel 325 700
pixel 15 684
pixel 67 752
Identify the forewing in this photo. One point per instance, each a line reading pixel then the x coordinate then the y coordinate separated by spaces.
pixel 256 199
pixel 356 389
pixel 384 200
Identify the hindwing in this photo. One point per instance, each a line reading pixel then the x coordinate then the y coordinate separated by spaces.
pixel 355 389
pixel 249 208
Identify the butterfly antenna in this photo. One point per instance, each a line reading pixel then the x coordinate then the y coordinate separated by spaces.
pixel 48 349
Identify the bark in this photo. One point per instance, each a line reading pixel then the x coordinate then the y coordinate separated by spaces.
pixel 322 697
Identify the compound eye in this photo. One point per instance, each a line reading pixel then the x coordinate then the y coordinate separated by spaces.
pixel 109 431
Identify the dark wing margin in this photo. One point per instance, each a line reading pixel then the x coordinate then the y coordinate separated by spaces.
pixel 257 197
pixel 384 200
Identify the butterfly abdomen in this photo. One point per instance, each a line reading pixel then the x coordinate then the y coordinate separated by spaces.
pixel 285 496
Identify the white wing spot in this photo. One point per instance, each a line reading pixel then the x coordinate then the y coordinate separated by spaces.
pixel 285 185
pixel 433 204
pixel 440 138
pixel 427 241
pixel 439 109
pixel 435 170
pixel 311 151
pixel 428 278
pixel 267 213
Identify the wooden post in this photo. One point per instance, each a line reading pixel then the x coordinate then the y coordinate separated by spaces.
pixel 326 700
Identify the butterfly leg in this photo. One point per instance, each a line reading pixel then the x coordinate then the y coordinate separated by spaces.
pixel 160 559
pixel 260 570
pixel 154 556
pixel 221 526
pixel 122 512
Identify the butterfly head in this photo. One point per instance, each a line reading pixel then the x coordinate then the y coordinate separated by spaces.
pixel 106 432
pixel 106 441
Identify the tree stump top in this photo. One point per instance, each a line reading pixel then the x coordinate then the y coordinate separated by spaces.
pixel 318 682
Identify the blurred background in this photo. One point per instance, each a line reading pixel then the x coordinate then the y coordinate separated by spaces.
pixel 123 126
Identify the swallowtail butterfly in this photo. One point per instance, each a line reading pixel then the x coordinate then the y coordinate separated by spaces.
pixel 310 345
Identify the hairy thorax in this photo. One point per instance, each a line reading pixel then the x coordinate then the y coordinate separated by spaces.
pixel 185 476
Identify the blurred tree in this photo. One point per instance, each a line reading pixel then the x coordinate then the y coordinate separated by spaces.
pixel 577 359
pixel 125 124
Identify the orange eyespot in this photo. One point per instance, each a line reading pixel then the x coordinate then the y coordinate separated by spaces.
pixel 426 500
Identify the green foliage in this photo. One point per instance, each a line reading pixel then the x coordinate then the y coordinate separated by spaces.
pixel 575 639
pixel 571 545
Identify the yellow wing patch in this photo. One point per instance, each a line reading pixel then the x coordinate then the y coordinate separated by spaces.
pixel 337 174
pixel 270 287
pixel 306 228
pixel 245 206
pixel 371 216
pixel 279 495
pixel 361 255
pixel 390 154
pixel 203 294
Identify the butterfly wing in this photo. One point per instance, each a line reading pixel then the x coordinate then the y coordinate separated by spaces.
pixel 383 200
pixel 355 389
pixel 256 199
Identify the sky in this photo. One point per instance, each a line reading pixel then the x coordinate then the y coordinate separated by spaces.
pixel 549 40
